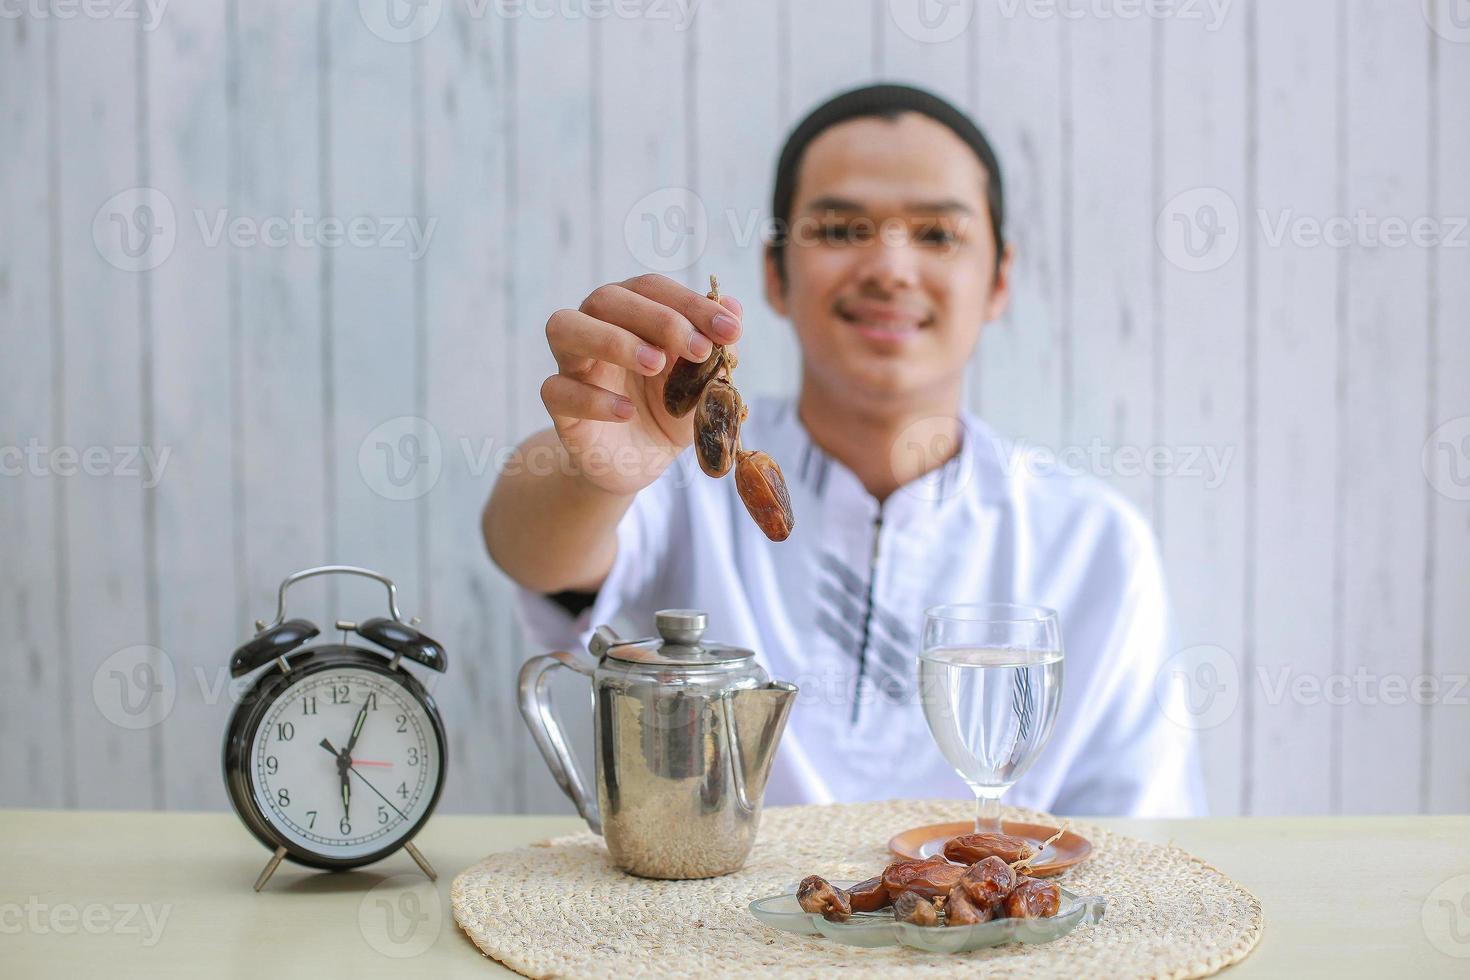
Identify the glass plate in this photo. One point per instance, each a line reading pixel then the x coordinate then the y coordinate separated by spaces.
pixel 872 929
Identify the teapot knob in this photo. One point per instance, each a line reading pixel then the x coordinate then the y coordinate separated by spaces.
pixel 683 626
pixel 603 640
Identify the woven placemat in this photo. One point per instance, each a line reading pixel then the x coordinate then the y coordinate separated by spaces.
pixel 560 909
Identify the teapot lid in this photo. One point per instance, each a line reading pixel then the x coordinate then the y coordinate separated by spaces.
pixel 677 644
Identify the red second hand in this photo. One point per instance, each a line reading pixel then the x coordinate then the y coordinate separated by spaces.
pixel 365 762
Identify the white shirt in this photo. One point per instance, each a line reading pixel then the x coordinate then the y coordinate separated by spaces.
pixel 981 528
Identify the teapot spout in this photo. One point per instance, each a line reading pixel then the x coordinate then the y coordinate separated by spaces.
pixel 756 717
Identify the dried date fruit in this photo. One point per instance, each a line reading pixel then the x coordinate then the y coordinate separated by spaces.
pixel 896 876
pixel 989 881
pixel 937 882
pixel 915 908
pixel 763 489
pixel 969 848
pixel 870 895
pixel 1033 899
pixel 961 910
pixel 717 421
pixel 816 894
pixel 929 878
pixel 687 380
pixel 707 390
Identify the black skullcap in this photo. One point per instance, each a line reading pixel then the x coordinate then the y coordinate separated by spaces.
pixel 886 102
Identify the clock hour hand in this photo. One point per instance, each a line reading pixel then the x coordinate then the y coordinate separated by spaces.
pixel 343 761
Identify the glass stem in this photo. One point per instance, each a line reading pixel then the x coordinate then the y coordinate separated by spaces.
pixel 987 810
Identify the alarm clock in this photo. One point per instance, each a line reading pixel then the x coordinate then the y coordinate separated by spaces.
pixel 334 757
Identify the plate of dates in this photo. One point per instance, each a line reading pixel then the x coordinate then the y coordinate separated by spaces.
pixel 956 925
pixel 979 891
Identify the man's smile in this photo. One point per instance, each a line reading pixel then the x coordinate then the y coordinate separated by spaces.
pixel 884 321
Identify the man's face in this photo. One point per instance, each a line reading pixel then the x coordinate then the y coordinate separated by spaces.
pixel 890 265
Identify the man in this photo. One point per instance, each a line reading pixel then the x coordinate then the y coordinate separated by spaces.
pixel 888 259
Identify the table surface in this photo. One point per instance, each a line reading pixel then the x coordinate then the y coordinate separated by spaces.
pixel 161 894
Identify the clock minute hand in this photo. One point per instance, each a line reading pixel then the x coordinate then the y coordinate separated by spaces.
pixel 356 730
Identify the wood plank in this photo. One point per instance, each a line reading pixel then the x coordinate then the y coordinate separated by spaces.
pixel 35 747
pixel 278 118
pixel 1294 427
pixel 110 232
pixel 738 131
pixel 930 45
pixel 1018 372
pixel 1201 390
pixel 647 219
pixel 1109 319
pixel 462 110
pixel 384 456
pixel 830 47
pixel 1446 782
pixel 1381 618
pixel 555 226
pixel 193 373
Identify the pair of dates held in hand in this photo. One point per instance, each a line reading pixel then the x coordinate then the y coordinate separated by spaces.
pixel 979 878
pixel 706 389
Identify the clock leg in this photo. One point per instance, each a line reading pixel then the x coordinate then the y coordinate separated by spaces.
pixel 270 868
pixel 420 860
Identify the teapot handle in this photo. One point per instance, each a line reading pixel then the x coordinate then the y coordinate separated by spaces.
pixel 536 709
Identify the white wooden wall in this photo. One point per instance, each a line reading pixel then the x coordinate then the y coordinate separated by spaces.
pixel 1327 550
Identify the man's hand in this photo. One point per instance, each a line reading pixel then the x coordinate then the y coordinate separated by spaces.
pixel 613 355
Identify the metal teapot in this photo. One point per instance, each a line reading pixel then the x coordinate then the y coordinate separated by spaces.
pixel 685 733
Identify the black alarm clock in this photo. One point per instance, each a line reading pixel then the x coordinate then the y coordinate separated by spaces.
pixel 335 755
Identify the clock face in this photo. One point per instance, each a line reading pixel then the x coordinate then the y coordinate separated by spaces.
pixel 345 762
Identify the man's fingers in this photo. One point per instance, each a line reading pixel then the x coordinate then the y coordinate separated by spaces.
pixel 574 335
pixel 646 296
pixel 569 398
pixel 658 324
pixel 713 319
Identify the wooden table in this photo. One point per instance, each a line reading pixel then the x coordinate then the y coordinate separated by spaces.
pixel 92 894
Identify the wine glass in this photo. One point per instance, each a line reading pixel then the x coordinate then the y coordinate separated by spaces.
pixel 990 677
